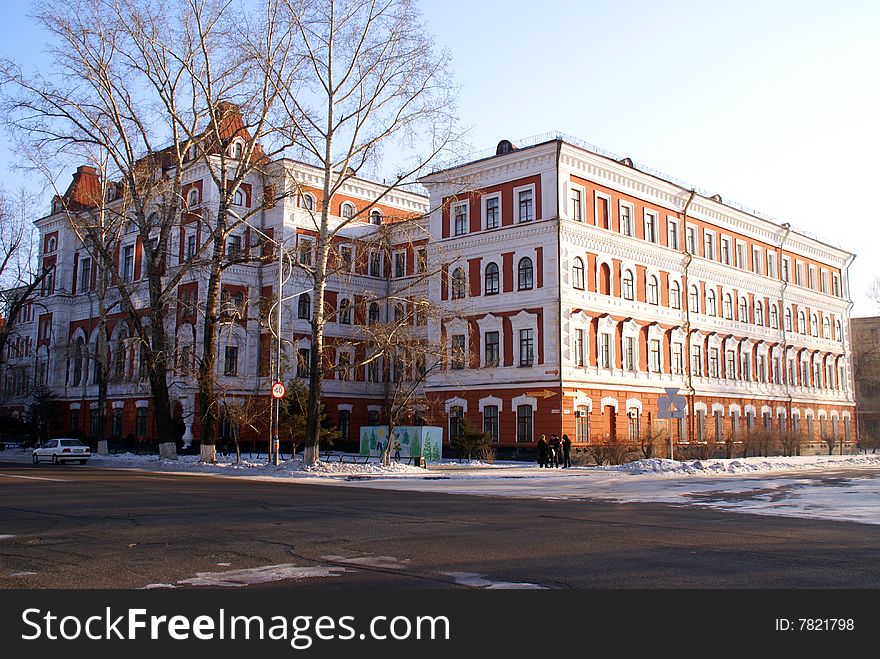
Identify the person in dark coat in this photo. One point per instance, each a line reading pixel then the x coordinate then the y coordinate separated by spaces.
pixel 555 450
pixel 542 452
pixel 566 451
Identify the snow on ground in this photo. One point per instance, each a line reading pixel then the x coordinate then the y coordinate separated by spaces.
pixel 256 575
pixel 843 488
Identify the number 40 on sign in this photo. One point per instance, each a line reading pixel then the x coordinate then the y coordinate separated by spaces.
pixel 278 390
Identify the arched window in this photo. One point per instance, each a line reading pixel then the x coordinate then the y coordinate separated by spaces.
pixel 759 313
pixel 458 284
pixel 838 330
pixel 238 198
pixel 728 306
pixel 78 360
pixel 51 244
pixel 308 201
pixel 802 322
pixel 373 314
pixel 375 216
pixel 345 311
pixel 711 303
pixel 826 328
pixel 239 302
pixel 304 307
pixel 814 325
pixel 788 320
pixel 526 274
pixel 653 290
pixel 192 198
pixel 347 210
pixel 774 317
pixel 675 295
pixel 492 280
pixel 627 285
pixel 577 273
pixel 237 149
pixel 743 310
pixel 694 299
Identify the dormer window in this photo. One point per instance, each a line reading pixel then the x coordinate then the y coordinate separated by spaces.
pixel 192 198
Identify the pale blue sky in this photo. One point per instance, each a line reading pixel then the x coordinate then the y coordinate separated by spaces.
pixel 771 103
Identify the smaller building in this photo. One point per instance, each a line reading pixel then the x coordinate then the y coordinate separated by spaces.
pixel 866 370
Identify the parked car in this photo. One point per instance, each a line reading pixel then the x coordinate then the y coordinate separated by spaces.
pixel 62 450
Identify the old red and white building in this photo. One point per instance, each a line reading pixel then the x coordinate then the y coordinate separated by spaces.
pixel 577 288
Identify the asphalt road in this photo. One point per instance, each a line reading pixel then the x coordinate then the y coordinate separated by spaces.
pixel 82 527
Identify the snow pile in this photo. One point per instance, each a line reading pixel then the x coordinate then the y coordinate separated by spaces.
pixel 746 465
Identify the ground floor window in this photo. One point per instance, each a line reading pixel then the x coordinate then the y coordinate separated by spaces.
pixel 524 423
pixel 456 415
pixel 490 421
pixel 719 426
pixel 582 415
pixel 74 421
pixel 682 426
pixel 117 423
pixel 94 423
pixel 373 418
pixel 141 421
pixel 344 424
pixel 701 426
pixel 633 424
pixel 734 423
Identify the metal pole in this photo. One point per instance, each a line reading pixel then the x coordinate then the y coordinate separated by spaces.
pixel 277 403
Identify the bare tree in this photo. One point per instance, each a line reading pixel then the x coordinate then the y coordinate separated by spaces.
pixel 371 81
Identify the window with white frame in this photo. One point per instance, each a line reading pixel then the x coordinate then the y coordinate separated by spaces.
pixel 525 274
pixel 672 236
pixel 694 299
pixel 802 322
pixel 727 306
pixel 740 255
pixel 492 211
pixel 399 264
pixel 743 310
pixel 627 285
pixel 774 316
pixel 579 347
pixel 771 264
pixel 233 246
pixel 626 219
pixel 304 251
pixel 709 244
pixel 675 295
pixel 491 280
pixel 725 250
pixel 576 197
pixel 347 210
pixel 85 274
pixel 799 273
pixel 345 311
pixel 630 357
pixel 811 282
pixel 654 355
pixel 711 303
pixel 652 290
pixel 651 226
pixel 490 422
pixel 691 240
pixel 677 360
pixel 191 247
pixel 787 320
pixel 376 216
pixel 757 260
pixel 458 284
pixel 460 215
pixel 525 204
pixel 604 349
pixel 230 360
pixel 577 273
pixel 697 360
pixel 128 263
pixel 730 365
pixel 492 348
pixel 375 263
pixel 759 313
pixel 835 284
pixel 786 268
pixel 823 281
pixel 713 363
pixel 526 347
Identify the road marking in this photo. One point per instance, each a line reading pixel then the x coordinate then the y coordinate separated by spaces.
pixel 37 478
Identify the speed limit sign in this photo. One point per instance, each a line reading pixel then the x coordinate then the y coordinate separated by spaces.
pixel 278 390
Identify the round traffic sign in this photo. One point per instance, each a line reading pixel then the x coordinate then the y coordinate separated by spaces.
pixel 278 390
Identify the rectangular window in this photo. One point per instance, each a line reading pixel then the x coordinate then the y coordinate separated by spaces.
pixel 746 371
pixel 824 281
pixel 490 421
pixel 140 428
pixel 492 349
pixel 691 240
pixel 577 204
pixel 493 212
pixel 526 347
pixel 626 223
pixel 117 423
pixel 629 353
pixel 344 424
pixel 579 347
pixel 85 275
pixel 725 250
pixel 756 260
pixel 230 361
pixel 605 350
pixel 422 261
pixel 343 366
pixel 524 423
pixel 651 226
pixel 835 281
pixel 713 363
pixel 190 246
pixel 762 368
pixel 233 248
pixel 373 370
pixel 460 212
pixel 740 255
pixel 303 362
pixel 799 273
pixel 786 268
pixel 582 414
pixel 730 369
pixel 811 283
pixel 128 263
pixel 304 254
pixel 399 264
pixel 672 233
pixel 525 206
pixel 709 245
pixel 458 351
pixel 346 253
pixel 697 359
pixel 654 356
pixel 677 360
pixel 375 264
pixel 771 264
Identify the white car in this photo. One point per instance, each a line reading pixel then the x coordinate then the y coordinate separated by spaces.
pixel 62 450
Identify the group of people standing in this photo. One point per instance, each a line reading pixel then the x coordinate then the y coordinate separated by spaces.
pixel 555 453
